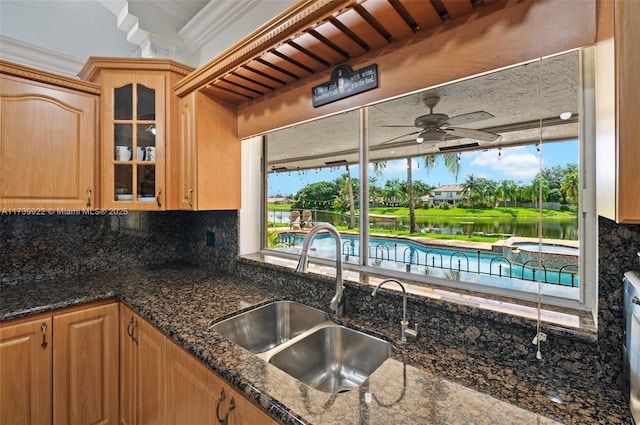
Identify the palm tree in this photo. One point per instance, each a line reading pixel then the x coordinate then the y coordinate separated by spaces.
pixel 413 227
pixel 570 186
pixel 451 163
pixel 507 190
pixel 471 188
pixel 393 190
pixel 352 212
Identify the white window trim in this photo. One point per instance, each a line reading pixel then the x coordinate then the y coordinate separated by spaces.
pixel 252 232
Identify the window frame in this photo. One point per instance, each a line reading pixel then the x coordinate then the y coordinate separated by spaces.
pixel 587 301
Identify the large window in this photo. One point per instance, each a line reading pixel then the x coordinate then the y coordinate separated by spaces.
pixel 475 184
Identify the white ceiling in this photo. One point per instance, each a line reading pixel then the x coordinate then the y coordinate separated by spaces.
pixel 60 35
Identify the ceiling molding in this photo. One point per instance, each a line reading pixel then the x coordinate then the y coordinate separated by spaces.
pixel 212 20
pixel 28 54
pixel 151 45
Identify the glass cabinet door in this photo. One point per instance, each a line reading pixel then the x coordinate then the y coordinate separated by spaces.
pixel 133 135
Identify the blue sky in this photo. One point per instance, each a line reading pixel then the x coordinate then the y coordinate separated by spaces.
pixel 519 163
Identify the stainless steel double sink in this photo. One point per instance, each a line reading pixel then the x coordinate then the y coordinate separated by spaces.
pixel 304 343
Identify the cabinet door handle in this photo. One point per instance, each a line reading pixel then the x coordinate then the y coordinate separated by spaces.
pixel 43 327
pixel 133 329
pixel 88 197
pixel 188 197
pixel 158 198
pixel 129 331
pixel 232 405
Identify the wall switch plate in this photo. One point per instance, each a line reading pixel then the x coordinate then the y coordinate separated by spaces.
pixel 211 239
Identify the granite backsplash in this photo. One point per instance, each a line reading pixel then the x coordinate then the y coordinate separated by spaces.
pixel 498 352
pixel 49 247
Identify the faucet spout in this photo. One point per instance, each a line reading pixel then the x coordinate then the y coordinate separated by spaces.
pixel 337 302
pixel 404 324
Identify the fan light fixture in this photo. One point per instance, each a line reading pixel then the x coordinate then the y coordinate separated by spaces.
pixel 430 134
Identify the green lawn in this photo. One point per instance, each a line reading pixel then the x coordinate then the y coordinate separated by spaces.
pixel 462 213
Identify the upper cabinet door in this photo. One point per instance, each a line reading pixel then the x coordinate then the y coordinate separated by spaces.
pixel 47 147
pixel 133 141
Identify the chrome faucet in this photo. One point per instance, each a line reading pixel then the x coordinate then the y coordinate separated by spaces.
pixel 337 302
pixel 404 324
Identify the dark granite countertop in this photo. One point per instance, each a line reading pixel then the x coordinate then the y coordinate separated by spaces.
pixel 182 301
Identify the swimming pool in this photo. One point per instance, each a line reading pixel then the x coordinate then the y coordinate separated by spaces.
pixel 547 248
pixel 441 261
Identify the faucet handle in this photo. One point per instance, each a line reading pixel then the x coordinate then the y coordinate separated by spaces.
pixel 413 333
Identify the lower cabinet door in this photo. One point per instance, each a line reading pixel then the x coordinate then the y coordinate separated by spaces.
pixel 196 395
pixel 192 389
pixel 25 377
pixel 85 366
pixel 142 371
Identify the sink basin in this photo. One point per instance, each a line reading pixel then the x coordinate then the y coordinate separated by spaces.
pixel 268 326
pixel 333 359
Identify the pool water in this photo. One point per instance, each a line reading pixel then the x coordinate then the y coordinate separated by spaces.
pixel 547 248
pixel 466 265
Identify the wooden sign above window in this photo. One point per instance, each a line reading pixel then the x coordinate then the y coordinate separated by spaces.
pixel 345 82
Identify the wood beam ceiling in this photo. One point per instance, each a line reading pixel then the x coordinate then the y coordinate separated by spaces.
pixel 313 36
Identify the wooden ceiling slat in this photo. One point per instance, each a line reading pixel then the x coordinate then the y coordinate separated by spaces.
pixel 267 70
pixel 363 29
pixel 300 57
pixel 388 18
pixel 423 12
pixel 457 8
pixel 312 44
pixel 248 73
pixel 222 84
pixel 285 65
pixel 340 39
pixel 250 84
pixel 226 95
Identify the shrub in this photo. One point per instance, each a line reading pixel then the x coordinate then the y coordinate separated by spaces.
pixel 444 206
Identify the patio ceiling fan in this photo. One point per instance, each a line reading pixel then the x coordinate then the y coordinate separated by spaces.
pixel 435 127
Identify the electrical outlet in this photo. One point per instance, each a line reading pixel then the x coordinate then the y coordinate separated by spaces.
pixel 211 239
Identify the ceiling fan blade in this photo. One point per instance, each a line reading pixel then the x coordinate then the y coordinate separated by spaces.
pixel 399 137
pixel 470 117
pixel 469 133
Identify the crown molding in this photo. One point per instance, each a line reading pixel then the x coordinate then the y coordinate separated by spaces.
pixel 298 17
pixel 212 20
pixel 95 64
pixel 18 70
pixel 28 54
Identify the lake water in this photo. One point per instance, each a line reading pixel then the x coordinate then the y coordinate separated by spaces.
pixel 552 228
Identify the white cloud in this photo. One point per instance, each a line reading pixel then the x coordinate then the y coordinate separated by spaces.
pixel 516 163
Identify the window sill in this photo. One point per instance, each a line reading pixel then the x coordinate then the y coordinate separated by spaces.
pixel 557 320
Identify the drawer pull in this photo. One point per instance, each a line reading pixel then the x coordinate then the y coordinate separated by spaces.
pixel 88 197
pixel 232 405
pixel 188 197
pixel 44 344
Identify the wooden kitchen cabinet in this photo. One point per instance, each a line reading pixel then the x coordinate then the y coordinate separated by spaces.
pixel 617 108
pixel 26 378
pixel 138 125
pixel 85 366
pixel 142 371
pixel 208 170
pixel 48 139
pixel 196 395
